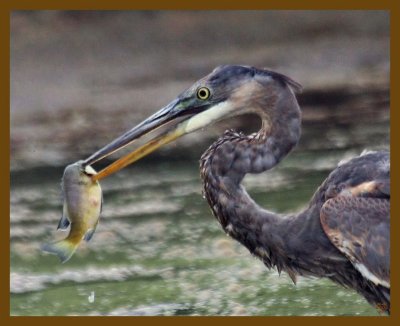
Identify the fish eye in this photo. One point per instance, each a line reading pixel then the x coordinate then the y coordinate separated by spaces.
pixel 203 93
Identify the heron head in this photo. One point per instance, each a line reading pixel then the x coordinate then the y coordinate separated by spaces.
pixel 226 91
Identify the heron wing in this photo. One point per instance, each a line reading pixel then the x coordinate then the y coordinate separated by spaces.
pixel 360 228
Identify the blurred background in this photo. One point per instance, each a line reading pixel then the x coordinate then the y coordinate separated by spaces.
pixel 81 78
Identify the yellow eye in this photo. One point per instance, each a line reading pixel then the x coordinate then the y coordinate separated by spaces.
pixel 203 93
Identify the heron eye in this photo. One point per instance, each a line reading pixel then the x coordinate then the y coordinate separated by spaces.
pixel 203 93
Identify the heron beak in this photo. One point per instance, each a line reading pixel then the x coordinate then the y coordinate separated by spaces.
pixel 184 118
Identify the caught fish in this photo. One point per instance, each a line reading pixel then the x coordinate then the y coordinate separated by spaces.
pixel 82 207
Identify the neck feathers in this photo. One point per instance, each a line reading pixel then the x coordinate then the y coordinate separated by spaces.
pixel 235 154
pixel 228 160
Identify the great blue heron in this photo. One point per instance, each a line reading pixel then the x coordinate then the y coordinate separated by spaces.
pixel 343 234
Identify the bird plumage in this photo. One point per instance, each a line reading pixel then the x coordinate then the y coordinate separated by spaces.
pixel 302 244
pixel 349 209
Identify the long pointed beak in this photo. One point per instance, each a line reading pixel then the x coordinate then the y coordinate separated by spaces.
pixel 170 112
pixel 183 120
pixel 158 119
pixel 140 152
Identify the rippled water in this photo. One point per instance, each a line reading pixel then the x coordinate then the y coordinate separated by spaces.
pixel 159 251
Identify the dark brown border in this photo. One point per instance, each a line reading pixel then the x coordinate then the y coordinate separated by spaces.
pixel 6 6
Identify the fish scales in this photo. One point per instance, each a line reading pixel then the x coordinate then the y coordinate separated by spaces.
pixel 82 207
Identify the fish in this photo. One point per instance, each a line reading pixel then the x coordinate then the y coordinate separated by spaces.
pixel 83 202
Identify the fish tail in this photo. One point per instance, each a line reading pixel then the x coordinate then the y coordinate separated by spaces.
pixel 64 249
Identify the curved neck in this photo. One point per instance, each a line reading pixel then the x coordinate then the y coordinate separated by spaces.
pixel 227 161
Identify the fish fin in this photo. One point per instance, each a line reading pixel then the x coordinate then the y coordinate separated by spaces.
pixel 64 249
pixel 64 221
pixel 90 232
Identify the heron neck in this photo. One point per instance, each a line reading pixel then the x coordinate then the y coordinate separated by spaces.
pixel 227 161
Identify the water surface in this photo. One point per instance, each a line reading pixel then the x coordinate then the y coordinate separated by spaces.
pixel 159 251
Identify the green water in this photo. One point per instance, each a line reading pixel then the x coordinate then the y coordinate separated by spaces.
pixel 159 251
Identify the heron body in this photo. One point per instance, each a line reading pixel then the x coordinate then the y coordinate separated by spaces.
pixel 307 243
pixel 343 234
